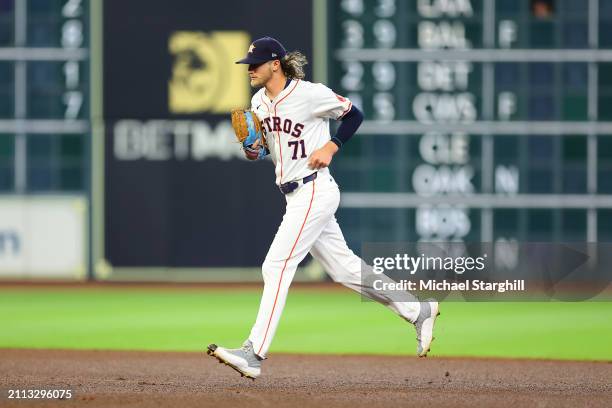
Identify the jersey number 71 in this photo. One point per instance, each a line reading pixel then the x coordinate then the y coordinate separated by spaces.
pixel 295 144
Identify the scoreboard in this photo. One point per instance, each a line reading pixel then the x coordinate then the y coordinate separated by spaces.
pixel 44 96
pixel 485 120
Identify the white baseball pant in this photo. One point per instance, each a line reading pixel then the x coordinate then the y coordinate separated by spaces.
pixel 309 224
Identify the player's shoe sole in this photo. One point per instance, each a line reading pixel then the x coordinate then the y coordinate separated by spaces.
pixel 212 351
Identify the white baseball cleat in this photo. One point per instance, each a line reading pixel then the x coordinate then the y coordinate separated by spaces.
pixel 244 360
pixel 425 325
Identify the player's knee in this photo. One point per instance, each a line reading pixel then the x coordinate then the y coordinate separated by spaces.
pixel 268 269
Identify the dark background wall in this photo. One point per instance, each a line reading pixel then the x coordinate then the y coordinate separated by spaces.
pixel 182 211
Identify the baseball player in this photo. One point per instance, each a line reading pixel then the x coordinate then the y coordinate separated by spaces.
pixel 295 114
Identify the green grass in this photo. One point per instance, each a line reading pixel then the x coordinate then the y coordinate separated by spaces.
pixel 313 322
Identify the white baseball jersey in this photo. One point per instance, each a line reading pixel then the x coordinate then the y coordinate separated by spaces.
pixel 297 124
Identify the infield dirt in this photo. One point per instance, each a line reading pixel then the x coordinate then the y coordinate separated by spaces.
pixel 147 379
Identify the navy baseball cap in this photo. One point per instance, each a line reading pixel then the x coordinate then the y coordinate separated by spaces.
pixel 263 50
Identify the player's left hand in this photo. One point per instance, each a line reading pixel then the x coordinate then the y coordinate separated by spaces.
pixel 322 157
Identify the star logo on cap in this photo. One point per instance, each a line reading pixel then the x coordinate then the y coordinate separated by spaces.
pixel 251 48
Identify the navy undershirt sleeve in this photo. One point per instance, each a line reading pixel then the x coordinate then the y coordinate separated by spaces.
pixel 348 126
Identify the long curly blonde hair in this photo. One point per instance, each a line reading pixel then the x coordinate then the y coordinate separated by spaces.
pixel 293 65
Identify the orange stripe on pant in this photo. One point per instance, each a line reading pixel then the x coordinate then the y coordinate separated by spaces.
pixel 280 280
